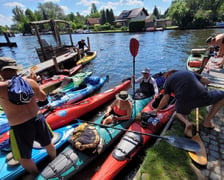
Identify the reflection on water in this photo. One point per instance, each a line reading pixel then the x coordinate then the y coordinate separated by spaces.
pixel 160 51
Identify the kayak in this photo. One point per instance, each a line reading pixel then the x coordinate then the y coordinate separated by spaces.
pixel 73 95
pixel 62 115
pixel 86 59
pixel 73 160
pixel 54 82
pixel 131 143
pixel 194 61
pixel 60 138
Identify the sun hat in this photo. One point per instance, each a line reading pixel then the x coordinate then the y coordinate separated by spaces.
pixel 123 95
pixel 146 71
pixel 7 63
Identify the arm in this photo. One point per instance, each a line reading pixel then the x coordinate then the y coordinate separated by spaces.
pixel 156 89
pixel 205 80
pixel 109 109
pixel 39 93
pixel 164 101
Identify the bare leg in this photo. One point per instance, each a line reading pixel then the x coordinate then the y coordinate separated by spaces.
pixel 212 112
pixel 188 125
pixel 30 166
pixel 51 151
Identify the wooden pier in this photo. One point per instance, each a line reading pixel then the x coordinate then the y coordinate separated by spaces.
pixel 214 73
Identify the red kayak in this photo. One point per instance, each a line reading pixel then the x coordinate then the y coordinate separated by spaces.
pixel 63 115
pixel 131 143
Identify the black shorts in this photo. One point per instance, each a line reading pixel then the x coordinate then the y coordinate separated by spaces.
pixel 23 135
pixel 212 97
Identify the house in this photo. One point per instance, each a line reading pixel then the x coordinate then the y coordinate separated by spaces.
pixel 127 16
pixel 92 21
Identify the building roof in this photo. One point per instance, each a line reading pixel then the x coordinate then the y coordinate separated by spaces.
pixel 127 14
pixel 92 21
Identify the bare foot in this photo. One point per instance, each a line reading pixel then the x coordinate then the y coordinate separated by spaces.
pixel 188 130
pixel 209 125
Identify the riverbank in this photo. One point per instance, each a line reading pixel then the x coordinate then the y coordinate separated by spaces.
pixel 180 166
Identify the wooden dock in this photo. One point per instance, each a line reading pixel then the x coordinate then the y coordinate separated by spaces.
pixel 214 73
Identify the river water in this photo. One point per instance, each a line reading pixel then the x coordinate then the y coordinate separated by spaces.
pixel 160 51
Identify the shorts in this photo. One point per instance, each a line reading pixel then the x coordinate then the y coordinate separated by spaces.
pixel 23 135
pixel 212 97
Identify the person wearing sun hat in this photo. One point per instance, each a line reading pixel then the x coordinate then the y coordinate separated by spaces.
pixel 120 109
pixel 25 120
pixel 148 86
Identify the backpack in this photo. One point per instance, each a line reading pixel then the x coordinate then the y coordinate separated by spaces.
pixel 19 91
pixel 85 138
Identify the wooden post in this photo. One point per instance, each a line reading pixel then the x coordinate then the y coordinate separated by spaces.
pixel 56 63
pixel 88 42
pixel 70 35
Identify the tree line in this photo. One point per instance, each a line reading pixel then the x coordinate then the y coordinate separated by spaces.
pixel 183 13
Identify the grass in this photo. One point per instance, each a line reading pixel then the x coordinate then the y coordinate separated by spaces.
pixel 165 162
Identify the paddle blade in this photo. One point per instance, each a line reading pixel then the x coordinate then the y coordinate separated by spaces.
pixel 201 156
pixel 183 143
pixel 134 45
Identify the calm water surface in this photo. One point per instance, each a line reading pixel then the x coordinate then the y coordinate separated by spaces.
pixel 160 51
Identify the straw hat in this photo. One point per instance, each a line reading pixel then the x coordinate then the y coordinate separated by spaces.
pixel 123 95
pixel 7 63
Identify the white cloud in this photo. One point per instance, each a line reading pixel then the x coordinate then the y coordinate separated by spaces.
pixel 52 1
pixel 88 3
pixel 5 20
pixel 13 4
pixel 65 9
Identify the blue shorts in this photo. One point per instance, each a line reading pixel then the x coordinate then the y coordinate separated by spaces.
pixel 212 97
pixel 23 135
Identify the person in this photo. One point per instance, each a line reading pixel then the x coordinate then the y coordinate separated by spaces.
pixel 190 93
pixel 26 122
pixel 80 46
pixel 218 40
pixel 148 85
pixel 120 109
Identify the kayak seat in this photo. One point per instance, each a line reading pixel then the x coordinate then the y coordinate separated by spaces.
pixel 60 164
pixel 128 144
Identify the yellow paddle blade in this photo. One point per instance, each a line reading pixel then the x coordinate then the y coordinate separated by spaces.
pixel 201 156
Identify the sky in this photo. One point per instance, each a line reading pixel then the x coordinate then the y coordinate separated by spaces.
pixel 81 6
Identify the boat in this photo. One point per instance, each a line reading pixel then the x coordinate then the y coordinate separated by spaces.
pixel 87 58
pixel 195 59
pixel 62 115
pixel 90 85
pixel 50 84
pixel 60 138
pixel 131 143
pixel 71 160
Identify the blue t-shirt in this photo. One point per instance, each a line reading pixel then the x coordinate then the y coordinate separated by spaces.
pixel 185 85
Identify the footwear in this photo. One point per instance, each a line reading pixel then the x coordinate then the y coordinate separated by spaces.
pixel 9 156
pixel 209 127
pixel 12 162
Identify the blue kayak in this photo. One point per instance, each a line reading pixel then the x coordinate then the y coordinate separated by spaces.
pixel 71 160
pixel 61 136
pixel 90 85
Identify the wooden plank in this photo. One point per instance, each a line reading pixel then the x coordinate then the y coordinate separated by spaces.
pixel 214 73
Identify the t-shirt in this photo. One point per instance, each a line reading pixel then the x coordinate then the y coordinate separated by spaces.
pixel 185 85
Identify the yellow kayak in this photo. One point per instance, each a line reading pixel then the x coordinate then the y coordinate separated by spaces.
pixel 86 59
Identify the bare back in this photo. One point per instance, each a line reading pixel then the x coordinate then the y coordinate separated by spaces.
pixel 18 114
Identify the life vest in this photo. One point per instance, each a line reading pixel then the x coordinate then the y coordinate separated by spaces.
pixel 147 88
pixel 119 111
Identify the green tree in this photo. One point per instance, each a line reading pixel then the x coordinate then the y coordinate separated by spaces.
pixel 94 12
pixel 103 17
pixel 156 12
pixel 30 15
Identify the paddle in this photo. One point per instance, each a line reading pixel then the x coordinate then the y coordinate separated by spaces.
pixel 199 157
pixel 179 142
pixel 134 45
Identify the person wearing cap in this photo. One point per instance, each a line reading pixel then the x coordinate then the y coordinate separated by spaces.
pixel 80 46
pixel 190 93
pixel 119 110
pixel 218 40
pixel 26 123
pixel 148 85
